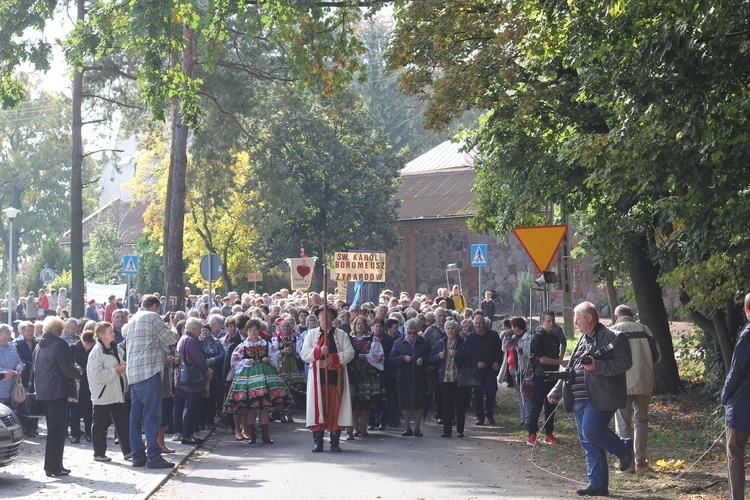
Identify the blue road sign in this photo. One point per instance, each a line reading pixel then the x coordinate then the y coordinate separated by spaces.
pixel 130 264
pixel 479 255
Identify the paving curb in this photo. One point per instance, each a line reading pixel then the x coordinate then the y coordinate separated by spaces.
pixel 25 477
pixel 158 481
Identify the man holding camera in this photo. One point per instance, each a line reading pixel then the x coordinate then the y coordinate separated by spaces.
pixel 598 388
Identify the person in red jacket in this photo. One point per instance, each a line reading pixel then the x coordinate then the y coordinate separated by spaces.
pixel 111 307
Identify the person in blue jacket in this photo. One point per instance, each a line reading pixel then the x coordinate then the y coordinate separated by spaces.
pixel 736 398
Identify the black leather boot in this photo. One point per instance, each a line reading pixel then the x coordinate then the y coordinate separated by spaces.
pixel 253 436
pixel 266 434
pixel 335 438
pixel 318 439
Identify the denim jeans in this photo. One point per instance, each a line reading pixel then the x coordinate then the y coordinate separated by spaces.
pixel 596 440
pixel 145 411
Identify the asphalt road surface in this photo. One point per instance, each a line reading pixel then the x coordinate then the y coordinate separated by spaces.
pixel 382 466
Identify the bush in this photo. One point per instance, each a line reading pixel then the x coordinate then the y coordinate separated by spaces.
pixel 521 293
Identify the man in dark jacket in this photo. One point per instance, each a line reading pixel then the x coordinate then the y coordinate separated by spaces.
pixel 598 389
pixel 486 356
pixel 547 356
pixel 83 407
pixel 736 398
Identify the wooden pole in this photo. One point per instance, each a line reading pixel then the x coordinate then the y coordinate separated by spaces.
pixel 325 326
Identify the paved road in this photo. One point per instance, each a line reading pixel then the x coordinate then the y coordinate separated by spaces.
pixel 118 479
pixel 382 466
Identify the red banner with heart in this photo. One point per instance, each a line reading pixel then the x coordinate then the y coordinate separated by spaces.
pixel 301 271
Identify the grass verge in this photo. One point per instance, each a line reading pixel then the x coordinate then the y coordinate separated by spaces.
pixel 681 430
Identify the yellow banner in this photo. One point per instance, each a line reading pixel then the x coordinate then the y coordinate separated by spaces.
pixel 355 266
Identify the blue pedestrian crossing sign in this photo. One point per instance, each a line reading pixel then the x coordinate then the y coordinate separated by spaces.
pixel 130 264
pixel 479 255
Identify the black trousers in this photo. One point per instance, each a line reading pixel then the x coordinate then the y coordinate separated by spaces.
pixel 178 411
pixel 103 416
pixel 82 408
pixel 56 413
pixel 484 396
pixel 454 400
pixel 539 392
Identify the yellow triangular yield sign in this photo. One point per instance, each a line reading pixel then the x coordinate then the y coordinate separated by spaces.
pixel 541 242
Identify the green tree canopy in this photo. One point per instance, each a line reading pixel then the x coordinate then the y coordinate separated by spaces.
pixel 321 174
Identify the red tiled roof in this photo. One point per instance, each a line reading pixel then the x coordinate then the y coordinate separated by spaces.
pixel 127 216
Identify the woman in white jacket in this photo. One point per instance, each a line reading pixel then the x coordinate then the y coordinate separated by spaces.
pixel 108 383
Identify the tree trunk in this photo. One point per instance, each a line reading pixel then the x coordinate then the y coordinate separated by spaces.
pixel 648 296
pixel 175 210
pixel 612 294
pixel 175 217
pixel 76 191
pixel 228 286
pixel 725 346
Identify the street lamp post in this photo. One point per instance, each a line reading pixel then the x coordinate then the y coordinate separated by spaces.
pixel 11 214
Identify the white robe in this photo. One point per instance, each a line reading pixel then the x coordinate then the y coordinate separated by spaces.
pixel 314 395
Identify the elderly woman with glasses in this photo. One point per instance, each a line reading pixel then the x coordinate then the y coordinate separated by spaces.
pixel 410 357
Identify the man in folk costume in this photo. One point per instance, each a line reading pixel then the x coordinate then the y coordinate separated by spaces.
pixel 328 399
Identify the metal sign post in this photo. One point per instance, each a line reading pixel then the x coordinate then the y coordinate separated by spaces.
pixel 211 267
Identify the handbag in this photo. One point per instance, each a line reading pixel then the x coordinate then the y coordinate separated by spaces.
pixel 190 375
pixel 18 395
pixel 467 377
pixel 32 408
pixel 528 383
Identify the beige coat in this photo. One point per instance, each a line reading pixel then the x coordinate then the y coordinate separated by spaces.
pixel 640 376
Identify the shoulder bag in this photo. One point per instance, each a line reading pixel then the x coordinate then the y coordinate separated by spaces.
pixel 19 391
pixel 32 408
pixel 190 375
pixel 467 377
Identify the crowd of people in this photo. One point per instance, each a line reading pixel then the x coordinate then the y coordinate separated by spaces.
pixel 252 359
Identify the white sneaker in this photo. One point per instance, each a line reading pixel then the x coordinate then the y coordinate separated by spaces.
pixel 102 459
pixel 177 437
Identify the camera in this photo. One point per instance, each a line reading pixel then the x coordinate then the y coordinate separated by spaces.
pixel 586 358
pixel 567 375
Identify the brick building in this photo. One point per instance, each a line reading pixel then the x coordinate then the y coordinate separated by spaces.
pixel 437 202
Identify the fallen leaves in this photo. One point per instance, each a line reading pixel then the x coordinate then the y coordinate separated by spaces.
pixel 667 465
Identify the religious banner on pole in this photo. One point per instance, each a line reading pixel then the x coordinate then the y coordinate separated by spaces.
pixel 356 266
pixel 301 271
